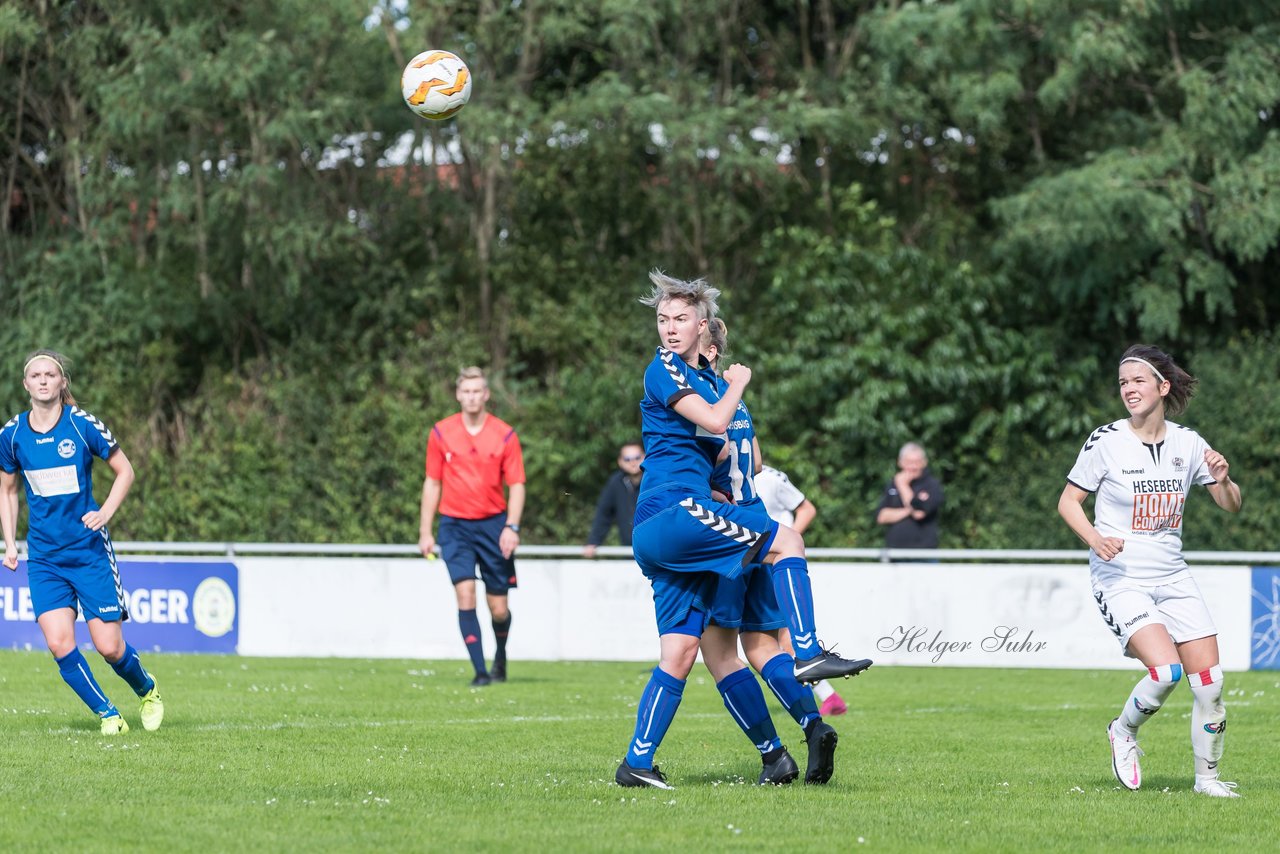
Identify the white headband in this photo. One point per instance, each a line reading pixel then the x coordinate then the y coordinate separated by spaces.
pixel 1159 375
pixel 38 358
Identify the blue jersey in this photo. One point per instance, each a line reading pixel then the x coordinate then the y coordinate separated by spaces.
pixel 57 468
pixel 678 454
pixel 735 474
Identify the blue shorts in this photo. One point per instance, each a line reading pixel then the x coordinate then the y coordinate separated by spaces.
pixel 680 600
pixel 468 543
pixel 698 535
pixel 85 575
pixel 748 603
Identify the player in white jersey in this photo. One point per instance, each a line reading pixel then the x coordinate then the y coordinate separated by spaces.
pixel 783 501
pixel 786 504
pixel 1140 469
pixel 70 562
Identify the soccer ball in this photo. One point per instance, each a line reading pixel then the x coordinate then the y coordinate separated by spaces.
pixel 436 84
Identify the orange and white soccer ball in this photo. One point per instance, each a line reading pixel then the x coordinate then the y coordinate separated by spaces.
pixel 436 84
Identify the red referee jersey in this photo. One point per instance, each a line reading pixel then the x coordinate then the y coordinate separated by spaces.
pixel 472 469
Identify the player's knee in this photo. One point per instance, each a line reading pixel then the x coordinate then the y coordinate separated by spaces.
pixel 720 659
pixel 111 651
pixel 786 543
pixel 466 597
pixel 61 646
pixel 1206 687
pixel 760 648
pixel 678 658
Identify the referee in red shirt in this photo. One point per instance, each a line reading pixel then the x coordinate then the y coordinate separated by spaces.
pixel 469 457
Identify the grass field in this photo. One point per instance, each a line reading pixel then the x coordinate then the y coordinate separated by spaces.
pixel 357 755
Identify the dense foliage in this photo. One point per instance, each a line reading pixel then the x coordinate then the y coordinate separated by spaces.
pixel 931 221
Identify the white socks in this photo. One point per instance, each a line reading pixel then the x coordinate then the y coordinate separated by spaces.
pixel 1147 697
pixel 1208 715
pixel 1208 721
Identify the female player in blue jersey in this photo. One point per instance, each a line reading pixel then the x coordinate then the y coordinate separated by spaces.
pixel 70 561
pixel 746 609
pixel 683 538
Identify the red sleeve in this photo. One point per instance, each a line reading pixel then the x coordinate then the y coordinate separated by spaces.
pixel 513 461
pixel 435 454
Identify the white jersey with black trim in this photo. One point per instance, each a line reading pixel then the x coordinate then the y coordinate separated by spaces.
pixel 780 496
pixel 1140 490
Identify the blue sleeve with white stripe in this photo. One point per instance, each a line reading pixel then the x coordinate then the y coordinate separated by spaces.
pixel 100 440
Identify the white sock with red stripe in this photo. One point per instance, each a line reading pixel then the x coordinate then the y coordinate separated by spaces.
pixel 1208 721
pixel 1147 697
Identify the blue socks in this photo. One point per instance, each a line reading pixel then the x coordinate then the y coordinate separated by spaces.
pixel 657 709
pixel 129 668
pixel 75 672
pixel 797 699
pixel 795 595
pixel 745 702
pixel 469 625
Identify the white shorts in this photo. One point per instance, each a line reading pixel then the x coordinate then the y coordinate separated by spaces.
pixel 1178 606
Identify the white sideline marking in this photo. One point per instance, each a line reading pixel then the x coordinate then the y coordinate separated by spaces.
pixel 224 726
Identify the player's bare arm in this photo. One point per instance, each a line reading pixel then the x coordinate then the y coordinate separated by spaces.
pixel 1226 492
pixel 717 417
pixel 96 520
pixel 430 501
pixel 1071 508
pixel 509 539
pixel 9 518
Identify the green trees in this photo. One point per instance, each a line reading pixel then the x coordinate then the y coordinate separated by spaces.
pixel 939 222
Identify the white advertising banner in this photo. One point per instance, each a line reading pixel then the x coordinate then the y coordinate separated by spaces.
pixel 975 615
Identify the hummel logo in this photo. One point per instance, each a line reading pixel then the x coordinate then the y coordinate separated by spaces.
pixel 641 747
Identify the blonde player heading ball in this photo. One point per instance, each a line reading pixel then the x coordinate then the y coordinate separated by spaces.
pixel 1141 469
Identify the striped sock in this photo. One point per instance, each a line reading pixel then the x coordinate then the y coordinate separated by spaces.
pixel 791 584
pixel 745 702
pixel 130 669
pixel 658 705
pixel 1208 720
pixel 797 699
pixel 1147 697
pixel 76 673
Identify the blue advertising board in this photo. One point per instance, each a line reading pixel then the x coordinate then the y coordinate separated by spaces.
pixel 174 606
pixel 1264 628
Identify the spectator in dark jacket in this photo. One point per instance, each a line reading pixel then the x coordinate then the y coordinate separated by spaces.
pixel 617 504
pixel 911 502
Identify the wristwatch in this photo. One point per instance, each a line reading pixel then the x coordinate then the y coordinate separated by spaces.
pixel 515 528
